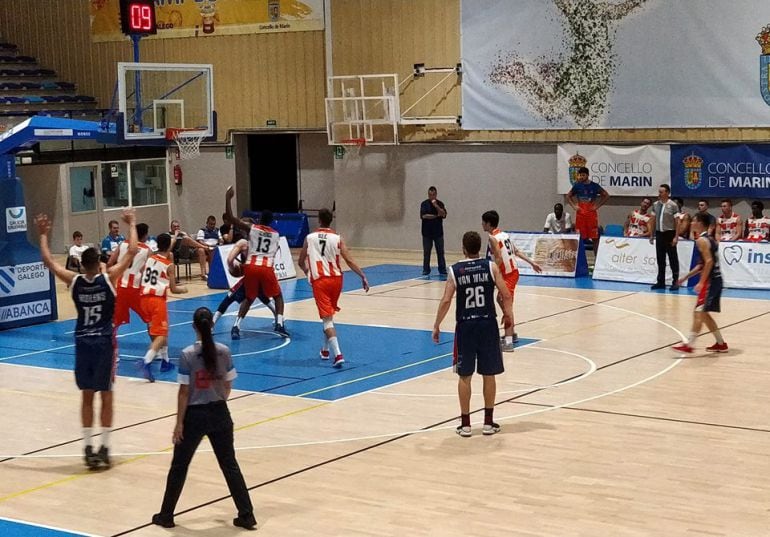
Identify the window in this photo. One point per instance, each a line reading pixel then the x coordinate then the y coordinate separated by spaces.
pixel 148 182
pixel 82 189
pixel 115 185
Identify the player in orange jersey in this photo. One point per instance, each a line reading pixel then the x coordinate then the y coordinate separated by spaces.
pixel 503 251
pixel 258 273
pixel 157 280
pixel 320 261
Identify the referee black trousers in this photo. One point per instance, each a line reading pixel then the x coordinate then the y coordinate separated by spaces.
pixel 212 420
pixel 664 246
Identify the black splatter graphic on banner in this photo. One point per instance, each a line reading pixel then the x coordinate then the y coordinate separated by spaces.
pixel 573 85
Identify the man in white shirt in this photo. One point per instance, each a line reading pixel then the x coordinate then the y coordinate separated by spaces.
pixel 558 221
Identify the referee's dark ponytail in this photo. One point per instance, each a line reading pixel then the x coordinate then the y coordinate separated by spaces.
pixel 203 321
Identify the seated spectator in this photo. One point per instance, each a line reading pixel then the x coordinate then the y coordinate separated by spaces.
pixel 637 223
pixel 683 220
pixel 75 252
pixel 703 207
pixel 180 238
pixel 111 241
pixel 210 235
pixel 729 224
pixel 558 221
pixel 757 225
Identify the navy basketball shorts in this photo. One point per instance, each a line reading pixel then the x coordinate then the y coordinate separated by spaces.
pixel 477 348
pixel 709 297
pixel 94 363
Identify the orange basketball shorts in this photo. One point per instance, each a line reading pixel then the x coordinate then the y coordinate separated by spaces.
pixel 326 292
pixel 154 307
pixel 129 298
pixel 260 280
pixel 587 221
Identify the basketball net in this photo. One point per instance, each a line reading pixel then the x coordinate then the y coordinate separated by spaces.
pixel 354 146
pixel 188 142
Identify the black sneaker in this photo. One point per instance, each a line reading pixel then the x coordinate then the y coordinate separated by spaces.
pixel 104 456
pixel 657 286
pixel 674 287
pixel 91 458
pixel 245 522
pixel 280 330
pixel 165 521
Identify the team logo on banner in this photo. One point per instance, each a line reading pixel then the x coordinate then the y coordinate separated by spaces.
pixel 16 220
pixel 732 254
pixel 576 162
pixel 693 171
pixel 764 60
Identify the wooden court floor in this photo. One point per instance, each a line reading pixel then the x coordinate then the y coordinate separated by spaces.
pixel 605 432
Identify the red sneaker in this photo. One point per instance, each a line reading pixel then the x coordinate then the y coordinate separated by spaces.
pixel 717 347
pixel 338 361
pixel 324 354
pixel 683 347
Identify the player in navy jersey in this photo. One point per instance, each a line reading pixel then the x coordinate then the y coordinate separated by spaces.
pixel 93 293
pixel 708 288
pixel 477 345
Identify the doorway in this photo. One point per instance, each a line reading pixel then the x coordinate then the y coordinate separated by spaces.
pixel 278 190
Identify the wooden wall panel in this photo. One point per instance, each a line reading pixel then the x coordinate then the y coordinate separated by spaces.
pixel 256 76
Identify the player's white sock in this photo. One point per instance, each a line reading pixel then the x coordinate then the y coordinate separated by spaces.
pixel 217 315
pixel 718 335
pixel 279 319
pixel 164 354
pixel 334 345
pixel 691 338
pixel 87 433
pixel 509 340
pixel 237 322
pixel 325 346
pixel 106 436
pixel 148 358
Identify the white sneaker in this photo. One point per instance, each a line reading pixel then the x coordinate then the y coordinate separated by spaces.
pixel 491 428
pixel 465 432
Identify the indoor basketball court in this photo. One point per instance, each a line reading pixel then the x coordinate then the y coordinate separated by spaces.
pixel 593 392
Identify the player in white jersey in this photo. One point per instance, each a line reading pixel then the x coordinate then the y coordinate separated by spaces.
pixel 503 251
pixel 320 261
pixel 638 222
pixel 157 280
pixel 129 284
pixel 729 224
pixel 757 225
pixel 258 273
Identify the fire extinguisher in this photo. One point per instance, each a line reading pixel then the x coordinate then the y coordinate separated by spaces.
pixel 177 174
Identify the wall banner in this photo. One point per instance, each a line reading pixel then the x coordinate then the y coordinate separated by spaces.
pixel 568 64
pixel 630 259
pixel 620 170
pixel 202 18
pixel 720 171
pixel 745 265
pixel 557 255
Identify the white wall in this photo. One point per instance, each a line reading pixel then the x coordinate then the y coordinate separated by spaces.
pixel 379 193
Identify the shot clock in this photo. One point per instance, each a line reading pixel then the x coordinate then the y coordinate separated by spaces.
pixel 137 17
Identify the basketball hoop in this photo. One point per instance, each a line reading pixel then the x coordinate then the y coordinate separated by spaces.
pixel 188 141
pixel 354 145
